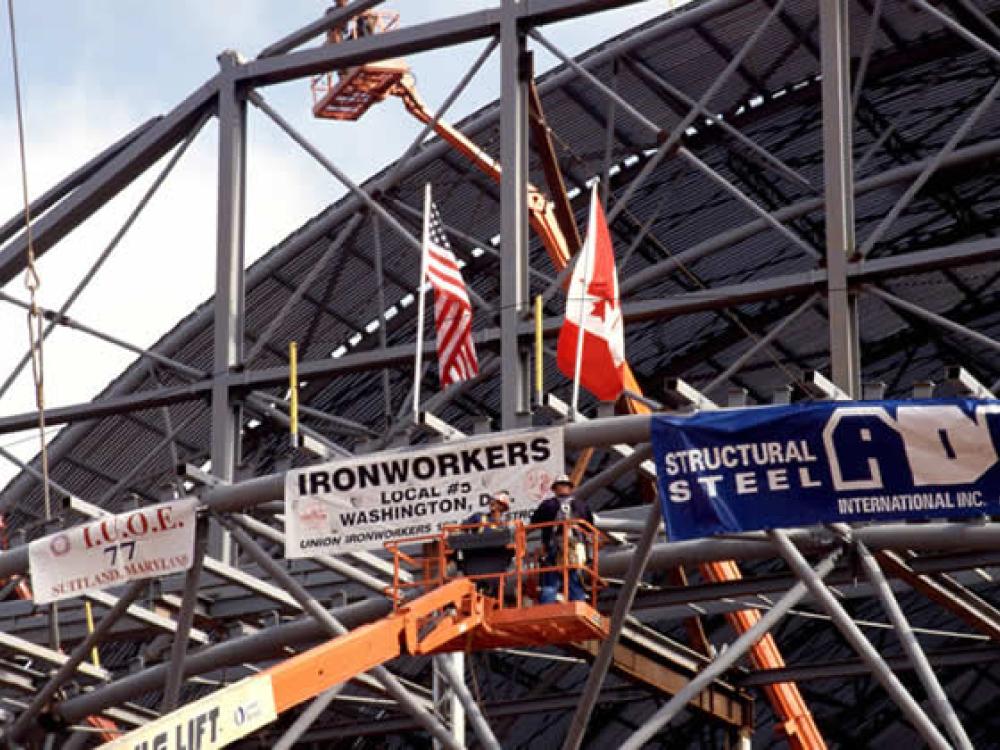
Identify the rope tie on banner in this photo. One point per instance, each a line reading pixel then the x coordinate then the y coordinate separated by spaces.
pixel 32 280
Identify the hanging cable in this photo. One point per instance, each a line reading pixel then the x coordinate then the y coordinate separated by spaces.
pixel 32 281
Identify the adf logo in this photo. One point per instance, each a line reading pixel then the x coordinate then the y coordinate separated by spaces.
pixel 941 445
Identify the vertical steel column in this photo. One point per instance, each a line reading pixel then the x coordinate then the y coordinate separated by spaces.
pixel 185 618
pixel 382 338
pixel 447 701
pixel 228 284
pixel 838 185
pixel 453 669
pixel 513 214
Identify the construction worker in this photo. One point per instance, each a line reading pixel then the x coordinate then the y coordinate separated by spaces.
pixel 561 505
pixel 367 24
pixel 341 31
pixel 493 518
pixel 485 549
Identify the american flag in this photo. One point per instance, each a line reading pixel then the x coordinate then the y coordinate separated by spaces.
pixel 452 310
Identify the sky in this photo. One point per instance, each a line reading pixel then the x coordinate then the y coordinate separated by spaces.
pixel 92 70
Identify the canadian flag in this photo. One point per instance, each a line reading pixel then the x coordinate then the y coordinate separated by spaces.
pixel 593 326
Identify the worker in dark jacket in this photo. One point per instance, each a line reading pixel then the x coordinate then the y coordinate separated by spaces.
pixel 367 24
pixel 472 557
pixel 341 31
pixel 561 505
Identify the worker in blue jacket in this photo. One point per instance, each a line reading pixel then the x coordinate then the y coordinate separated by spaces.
pixel 561 505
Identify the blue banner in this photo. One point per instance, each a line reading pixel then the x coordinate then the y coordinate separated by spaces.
pixel 848 461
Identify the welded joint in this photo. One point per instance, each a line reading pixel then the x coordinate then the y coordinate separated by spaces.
pixel 198 476
pixel 432 424
pixel 679 394
pixel 817 385
pixel 966 383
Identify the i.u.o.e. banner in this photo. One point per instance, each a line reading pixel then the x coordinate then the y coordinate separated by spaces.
pixel 770 467
pixel 147 542
pixel 361 503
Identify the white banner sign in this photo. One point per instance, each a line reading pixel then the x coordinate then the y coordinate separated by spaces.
pixel 209 723
pixel 361 503
pixel 145 543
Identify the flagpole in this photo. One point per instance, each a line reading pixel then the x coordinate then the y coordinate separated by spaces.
pixel 421 293
pixel 539 370
pixel 588 244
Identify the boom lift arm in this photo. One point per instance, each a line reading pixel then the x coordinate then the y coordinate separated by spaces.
pixel 452 614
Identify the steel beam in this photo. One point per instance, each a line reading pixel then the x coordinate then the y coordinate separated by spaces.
pixel 654 80
pixel 185 618
pixel 938 590
pixel 939 320
pixel 882 180
pixel 57 318
pixel 605 655
pixel 910 708
pixel 330 20
pixel 720 700
pixel 673 139
pixel 424 37
pixel 306 719
pixel 457 681
pixel 838 183
pixel 929 169
pixel 966 657
pixel 47 655
pixel 265 644
pixel 511 710
pixel 936 695
pixel 229 283
pixel 72 181
pixel 112 244
pixel 959 29
pixel 321 266
pixel 727 658
pixel 382 322
pixel 760 343
pixel 409 240
pixel 259 528
pixel 334 628
pixel 109 180
pixel 77 657
pixel 513 214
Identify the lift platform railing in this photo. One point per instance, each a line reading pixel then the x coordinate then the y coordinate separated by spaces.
pixel 348 94
pixel 503 560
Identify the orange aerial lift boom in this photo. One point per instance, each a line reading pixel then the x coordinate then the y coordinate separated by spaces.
pixel 347 95
pixel 457 609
